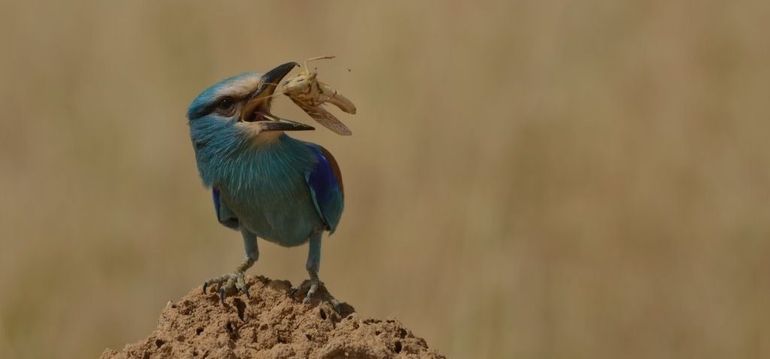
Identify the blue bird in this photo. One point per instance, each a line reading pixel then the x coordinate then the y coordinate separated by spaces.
pixel 264 183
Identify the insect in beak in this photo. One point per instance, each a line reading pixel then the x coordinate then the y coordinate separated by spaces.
pixel 257 107
pixel 310 94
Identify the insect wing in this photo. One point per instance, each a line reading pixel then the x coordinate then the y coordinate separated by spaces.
pixel 336 98
pixel 325 118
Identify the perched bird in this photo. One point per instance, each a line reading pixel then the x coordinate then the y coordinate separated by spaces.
pixel 264 183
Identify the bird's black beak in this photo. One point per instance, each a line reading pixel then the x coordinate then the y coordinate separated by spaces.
pixel 271 78
pixel 257 107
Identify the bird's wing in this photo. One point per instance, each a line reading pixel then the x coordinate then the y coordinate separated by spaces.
pixel 224 215
pixel 325 183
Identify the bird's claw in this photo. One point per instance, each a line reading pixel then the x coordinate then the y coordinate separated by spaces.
pixel 323 295
pixel 313 288
pixel 228 284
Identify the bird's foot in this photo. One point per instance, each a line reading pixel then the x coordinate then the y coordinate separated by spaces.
pixel 228 284
pixel 314 283
pixel 316 291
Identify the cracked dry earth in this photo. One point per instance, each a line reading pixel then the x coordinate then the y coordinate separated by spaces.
pixel 272 322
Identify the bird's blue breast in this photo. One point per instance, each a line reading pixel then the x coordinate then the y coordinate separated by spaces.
pixel 281 191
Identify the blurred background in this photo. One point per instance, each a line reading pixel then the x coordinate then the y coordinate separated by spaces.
pixel 528 179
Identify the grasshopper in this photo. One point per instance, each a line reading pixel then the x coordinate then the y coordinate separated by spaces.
pixel 310 94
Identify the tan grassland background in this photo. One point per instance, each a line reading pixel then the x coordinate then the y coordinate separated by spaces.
pixel 526 179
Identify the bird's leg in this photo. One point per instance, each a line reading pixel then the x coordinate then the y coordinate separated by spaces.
pixel 313 265
pixel 230 282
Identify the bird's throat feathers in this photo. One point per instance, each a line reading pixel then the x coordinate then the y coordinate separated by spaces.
pixel 236 157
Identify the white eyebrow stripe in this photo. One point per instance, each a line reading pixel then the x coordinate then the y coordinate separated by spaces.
pixel 239 88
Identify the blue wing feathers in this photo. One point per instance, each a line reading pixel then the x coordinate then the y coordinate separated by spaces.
pixel 325 183
pixel 215 197
pixel 223 215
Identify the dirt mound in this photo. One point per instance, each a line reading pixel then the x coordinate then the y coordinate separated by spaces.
pixel 271 322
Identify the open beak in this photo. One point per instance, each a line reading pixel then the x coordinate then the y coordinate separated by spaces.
pixel 257 107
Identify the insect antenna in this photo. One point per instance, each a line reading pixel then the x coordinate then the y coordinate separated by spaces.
pixel 319 58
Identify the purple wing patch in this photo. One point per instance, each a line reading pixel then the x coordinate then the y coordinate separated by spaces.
pixel 325 183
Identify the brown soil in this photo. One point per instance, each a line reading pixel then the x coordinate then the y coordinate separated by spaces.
pixel 271 322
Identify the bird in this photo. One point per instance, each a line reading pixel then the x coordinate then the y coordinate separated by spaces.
pixel 264 183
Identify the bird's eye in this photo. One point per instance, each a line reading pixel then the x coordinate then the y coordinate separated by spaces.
pixel 226 106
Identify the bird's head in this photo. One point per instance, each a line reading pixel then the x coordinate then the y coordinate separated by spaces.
pixel 239 107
